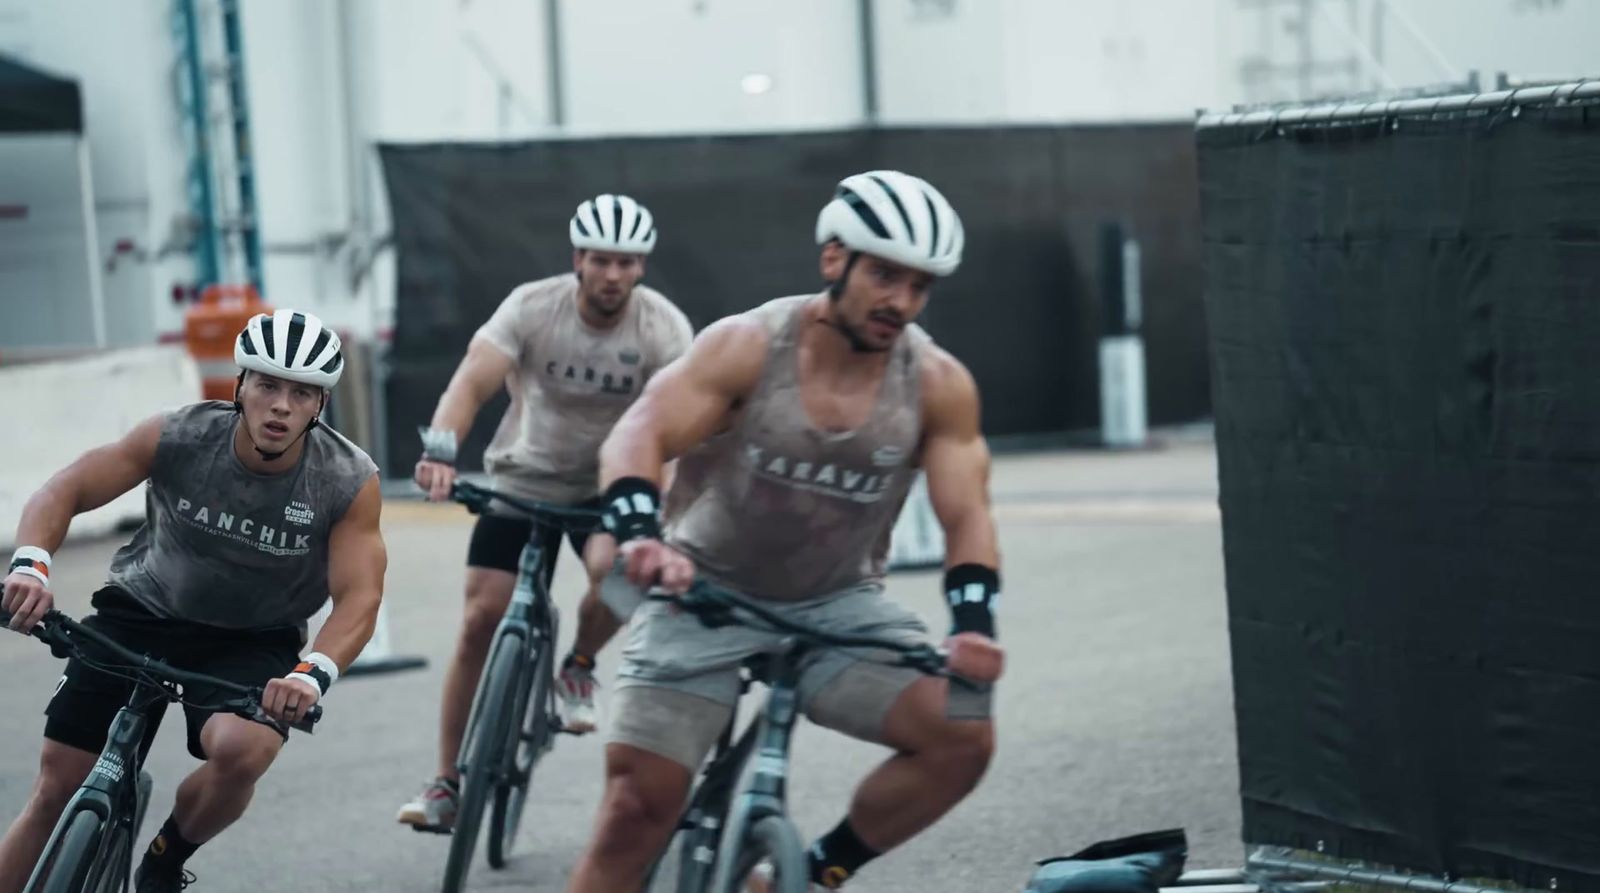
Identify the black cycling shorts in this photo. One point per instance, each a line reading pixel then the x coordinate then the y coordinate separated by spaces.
pixel 87 700
pixel 497 542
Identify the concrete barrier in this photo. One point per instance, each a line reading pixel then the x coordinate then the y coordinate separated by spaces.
pixel 61 408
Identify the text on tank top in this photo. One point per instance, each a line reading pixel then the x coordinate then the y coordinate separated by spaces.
pixel 225 546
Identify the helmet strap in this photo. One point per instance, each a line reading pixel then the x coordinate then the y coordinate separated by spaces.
pixel 836 287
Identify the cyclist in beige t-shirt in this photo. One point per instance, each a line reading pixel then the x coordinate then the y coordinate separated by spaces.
pixel 574 351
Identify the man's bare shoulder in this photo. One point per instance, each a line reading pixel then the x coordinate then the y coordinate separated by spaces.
pixel 733 348
pixel 943 376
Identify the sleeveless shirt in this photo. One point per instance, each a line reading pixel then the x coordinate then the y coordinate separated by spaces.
pixel 780 509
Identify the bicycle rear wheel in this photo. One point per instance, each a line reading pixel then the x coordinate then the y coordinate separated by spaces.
pixel 528 742
pixel 69 866
pixel 487 760
pixel 771 839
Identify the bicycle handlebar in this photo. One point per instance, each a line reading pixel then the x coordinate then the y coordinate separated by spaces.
pixel 716 606
pixel 62 633
pixel 477 498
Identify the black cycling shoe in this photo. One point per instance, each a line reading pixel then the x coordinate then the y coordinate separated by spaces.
pixel 162 880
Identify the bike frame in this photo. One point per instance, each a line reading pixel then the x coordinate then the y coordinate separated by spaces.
pixel 116 788
pixel 719 812
pixel 530 623
pixel 110 791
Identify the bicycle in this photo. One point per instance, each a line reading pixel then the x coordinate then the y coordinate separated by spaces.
pixel 513 722
pixel 91 848
pixel 717 850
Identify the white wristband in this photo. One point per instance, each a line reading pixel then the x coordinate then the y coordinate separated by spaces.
pixel 439 445
pixel 37 563
pixel 326 664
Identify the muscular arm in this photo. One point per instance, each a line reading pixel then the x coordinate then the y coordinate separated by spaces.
pixel 482 372
pixel 356 562
pixel 956 462
pixel 94 479
pixel 686 402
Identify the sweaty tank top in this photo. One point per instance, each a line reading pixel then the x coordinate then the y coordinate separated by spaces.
pixel 224 546
pixel 780 509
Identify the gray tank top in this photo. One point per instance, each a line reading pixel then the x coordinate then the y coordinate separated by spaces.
pixel 780 509
pixel 224 546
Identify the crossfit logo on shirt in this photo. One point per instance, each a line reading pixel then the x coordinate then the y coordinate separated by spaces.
pixel 299 513
pixel 245 531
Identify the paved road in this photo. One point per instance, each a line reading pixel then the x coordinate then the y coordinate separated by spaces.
pixel 1116 714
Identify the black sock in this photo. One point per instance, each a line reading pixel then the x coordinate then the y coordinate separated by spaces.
pixel 169 849
pixel 837 855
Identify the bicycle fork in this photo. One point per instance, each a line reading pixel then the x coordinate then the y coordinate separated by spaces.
pixel 765 794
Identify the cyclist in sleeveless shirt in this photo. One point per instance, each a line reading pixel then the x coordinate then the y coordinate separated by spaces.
pixel 798 428
pixel 573 351
pixel 255 515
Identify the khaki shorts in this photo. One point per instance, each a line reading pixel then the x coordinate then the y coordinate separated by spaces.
pixel 679 680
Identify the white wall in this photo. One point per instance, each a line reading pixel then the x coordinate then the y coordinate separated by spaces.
pixel 45 288
pixel 677 66
pixel 120 54
pixel 329 77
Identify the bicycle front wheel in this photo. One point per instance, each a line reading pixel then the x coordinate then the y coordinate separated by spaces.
pixel 111 869
pixel 774 840
pixel 488 758
pixel 528 742
pixel 68 871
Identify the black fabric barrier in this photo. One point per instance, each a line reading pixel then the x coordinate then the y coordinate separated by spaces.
pixel 1405 327
pixel 736 216
pixel 34 102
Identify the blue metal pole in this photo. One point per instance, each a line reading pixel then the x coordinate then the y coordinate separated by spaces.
pixel 201 201
pixel 249 228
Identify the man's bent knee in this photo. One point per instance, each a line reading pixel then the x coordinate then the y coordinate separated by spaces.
pixel 62 769
pixel 643 797
pixel 488 593
pixel 963 750
pixel 240 749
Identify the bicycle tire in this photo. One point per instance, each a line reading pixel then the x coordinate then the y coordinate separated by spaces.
pixel 74 856
pixel 524 747
pixel 143 786
pixel 484 764
pixel 772 838
pixel 111 869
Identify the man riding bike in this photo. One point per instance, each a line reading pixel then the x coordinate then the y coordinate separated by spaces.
pixel 574 351
pixel 255 514
pixel 798 428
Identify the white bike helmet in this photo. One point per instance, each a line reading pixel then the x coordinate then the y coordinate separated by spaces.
pixel 897 217
pixel 613 223
pixel 291 345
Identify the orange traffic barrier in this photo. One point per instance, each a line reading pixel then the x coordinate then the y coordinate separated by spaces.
pixel 209 330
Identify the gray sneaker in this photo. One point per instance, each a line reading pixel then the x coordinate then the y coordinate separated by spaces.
pixel 434 809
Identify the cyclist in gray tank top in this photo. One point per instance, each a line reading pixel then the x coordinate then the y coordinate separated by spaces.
pixel 256 514
pixel 574 351
pixel 798 427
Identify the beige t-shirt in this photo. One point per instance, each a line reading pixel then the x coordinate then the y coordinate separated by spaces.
pixel 571 383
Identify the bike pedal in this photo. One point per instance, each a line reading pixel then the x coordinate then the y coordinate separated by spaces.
pixel 431 829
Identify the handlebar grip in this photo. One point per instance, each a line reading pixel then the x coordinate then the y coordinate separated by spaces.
pixel 307 723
